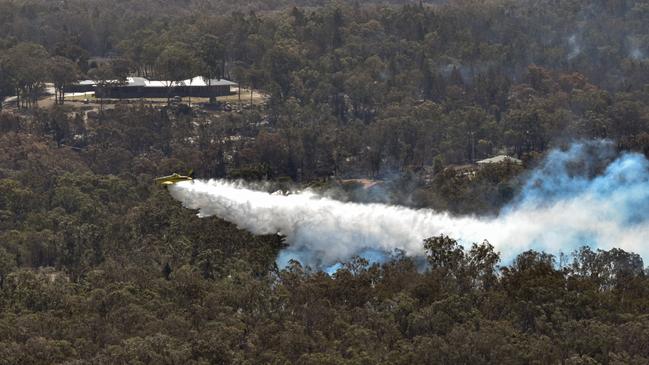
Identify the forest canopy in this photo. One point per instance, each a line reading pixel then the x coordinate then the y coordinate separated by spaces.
pixel 100 266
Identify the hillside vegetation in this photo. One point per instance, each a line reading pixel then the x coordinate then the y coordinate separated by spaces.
pixel 99 266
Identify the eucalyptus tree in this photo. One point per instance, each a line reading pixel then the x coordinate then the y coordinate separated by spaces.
pixel 26 67
pixel 62 72
pixel 175 63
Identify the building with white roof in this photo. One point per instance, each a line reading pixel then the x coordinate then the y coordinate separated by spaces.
pixel 140 87
pixel 500 159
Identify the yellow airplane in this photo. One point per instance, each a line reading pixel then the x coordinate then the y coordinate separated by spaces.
pixel 174 178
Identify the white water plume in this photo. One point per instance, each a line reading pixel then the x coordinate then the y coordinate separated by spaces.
pixel 585 195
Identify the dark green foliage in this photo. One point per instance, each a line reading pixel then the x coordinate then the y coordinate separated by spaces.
pixel 99 266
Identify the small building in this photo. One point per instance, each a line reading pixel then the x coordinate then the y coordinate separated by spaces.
pixel 140 87
pixel 500 159
pixel 83 86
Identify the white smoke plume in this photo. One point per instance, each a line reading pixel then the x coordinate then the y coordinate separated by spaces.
pixel 585 195
pixel 635 48
pixel 574 47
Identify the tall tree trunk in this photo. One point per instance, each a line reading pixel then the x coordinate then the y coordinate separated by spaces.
pixel 212 97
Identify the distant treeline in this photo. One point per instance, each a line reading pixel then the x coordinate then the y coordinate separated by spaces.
pixel 99 266
pixel 432 85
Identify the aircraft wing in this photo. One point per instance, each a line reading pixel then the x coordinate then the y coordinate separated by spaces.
pixel 172 179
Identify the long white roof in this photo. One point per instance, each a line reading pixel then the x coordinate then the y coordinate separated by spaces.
pixel 143 82
pixel 499 159
pixel 201 81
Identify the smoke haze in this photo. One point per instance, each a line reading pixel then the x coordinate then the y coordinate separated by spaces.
pixel 584 195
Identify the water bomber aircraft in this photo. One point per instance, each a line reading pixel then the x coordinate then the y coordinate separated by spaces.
pixel 175 178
